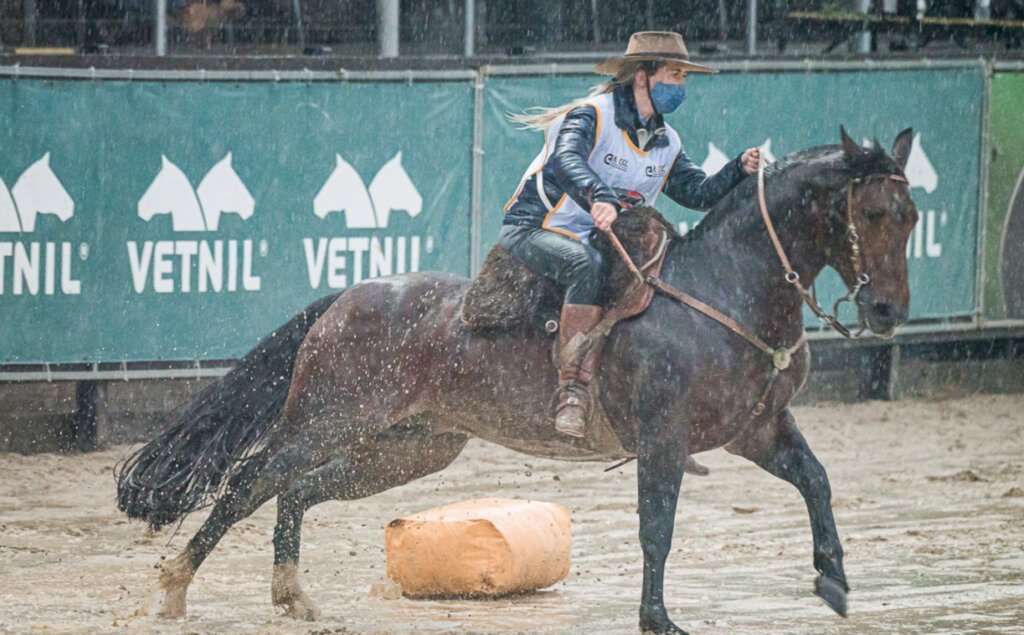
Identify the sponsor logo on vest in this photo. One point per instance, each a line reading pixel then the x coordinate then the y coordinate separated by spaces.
pixel 616 162
pixel 656 171
pixel 193 265
pixel 31 267
pixel 364 251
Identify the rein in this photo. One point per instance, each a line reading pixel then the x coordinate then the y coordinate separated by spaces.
pixel 781 357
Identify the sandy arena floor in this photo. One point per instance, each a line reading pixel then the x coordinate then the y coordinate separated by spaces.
pixel 929 499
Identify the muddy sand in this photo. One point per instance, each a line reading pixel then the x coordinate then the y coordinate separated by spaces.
pixel 928 497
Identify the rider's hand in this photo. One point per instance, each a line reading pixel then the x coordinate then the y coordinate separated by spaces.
pixel 749 160
pixel 604 215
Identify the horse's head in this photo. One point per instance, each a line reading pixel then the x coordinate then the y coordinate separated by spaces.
pixel 871 223
pixel 38 191
pixel 222 191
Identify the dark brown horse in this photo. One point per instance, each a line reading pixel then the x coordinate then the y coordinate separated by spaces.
pixel 383 384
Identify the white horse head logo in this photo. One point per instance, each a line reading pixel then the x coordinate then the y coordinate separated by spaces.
pixel 717 159
pixel 37 191
pixel 220 191
pixel 344 192
pixel 368 208
pixel 919 169
pixel 392 189
pixel 171 193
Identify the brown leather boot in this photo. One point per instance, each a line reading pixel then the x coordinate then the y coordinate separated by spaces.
pixel 575 370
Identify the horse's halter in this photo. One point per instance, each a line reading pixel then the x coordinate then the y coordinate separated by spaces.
pixel 861 277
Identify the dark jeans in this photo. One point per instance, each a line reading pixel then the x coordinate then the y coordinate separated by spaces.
pixel 568 262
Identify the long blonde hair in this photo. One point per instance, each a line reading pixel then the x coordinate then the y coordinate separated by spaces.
pixel 540 118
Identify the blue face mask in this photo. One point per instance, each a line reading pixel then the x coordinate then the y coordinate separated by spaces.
pixel 667 97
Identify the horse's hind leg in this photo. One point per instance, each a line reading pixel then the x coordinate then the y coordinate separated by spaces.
pixel 177 574
pixel 395 457
pixel 255 483
pixel 780 448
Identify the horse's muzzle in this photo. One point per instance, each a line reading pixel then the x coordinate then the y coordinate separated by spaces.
pixel 880 316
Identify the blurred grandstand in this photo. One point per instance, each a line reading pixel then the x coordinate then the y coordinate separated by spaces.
pixel 447 32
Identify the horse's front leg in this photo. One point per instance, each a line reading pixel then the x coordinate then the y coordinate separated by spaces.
pixel 660 464
pixel 779 447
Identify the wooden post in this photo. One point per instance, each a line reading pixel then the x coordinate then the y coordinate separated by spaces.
pixel 82 429
pixel 879 372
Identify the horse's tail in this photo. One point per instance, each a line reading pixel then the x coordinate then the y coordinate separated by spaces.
pixel 205 440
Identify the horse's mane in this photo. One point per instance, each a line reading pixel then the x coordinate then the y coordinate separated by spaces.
pixel 819 159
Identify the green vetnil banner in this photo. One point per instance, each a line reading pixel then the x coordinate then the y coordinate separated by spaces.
pixel 785 112
pixel 184 221
pixel 152 221
pixel 1004 225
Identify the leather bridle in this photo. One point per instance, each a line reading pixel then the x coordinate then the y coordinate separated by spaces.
pixel 861 277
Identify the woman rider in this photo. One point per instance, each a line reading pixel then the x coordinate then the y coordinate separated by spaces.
pixel 602 155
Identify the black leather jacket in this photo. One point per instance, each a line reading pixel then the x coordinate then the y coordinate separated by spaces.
pixel 567 170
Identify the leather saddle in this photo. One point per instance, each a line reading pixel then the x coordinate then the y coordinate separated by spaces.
pixel 507 296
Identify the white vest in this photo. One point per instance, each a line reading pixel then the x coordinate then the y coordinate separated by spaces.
pixel 615 159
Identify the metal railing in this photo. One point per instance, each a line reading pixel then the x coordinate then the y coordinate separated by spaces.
pixel 379 28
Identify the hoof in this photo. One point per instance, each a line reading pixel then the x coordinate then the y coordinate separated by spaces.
pixel 286 593
pixel 671 629
pixel 174 581
pixel 660 626
pixel 172 604
pixel 171 611
pixel 302 611
pixel 833 592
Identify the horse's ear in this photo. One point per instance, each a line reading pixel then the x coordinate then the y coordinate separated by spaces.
pixel 850 147
pixel 901 147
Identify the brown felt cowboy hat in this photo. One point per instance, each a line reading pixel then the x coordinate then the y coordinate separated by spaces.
pixel 653 46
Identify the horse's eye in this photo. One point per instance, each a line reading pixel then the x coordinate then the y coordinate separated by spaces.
pixel 873 214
